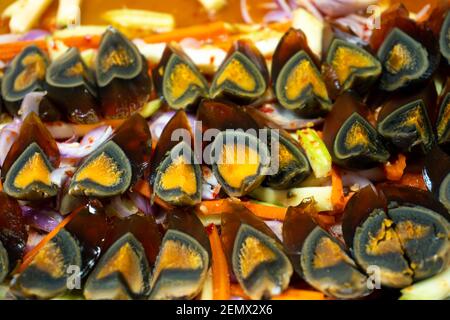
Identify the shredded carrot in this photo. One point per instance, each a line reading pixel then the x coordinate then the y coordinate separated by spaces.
pixel 394 171
pixel 288 294
pixel 413 180
pixel 143 187
pixel 266 212
pixel 82 42
pixel 296 294
pixel 80 130
pixel 337 190
pixel 200 32
pixel 28 258
pixel 9 50
pixel 213 207
pixel 220 274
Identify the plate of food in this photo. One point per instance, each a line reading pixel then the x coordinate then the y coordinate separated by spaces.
pixel 225 150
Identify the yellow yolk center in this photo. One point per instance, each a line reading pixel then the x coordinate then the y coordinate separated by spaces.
pixel 385 241
pixel 328 254
pixel 117 57
pixel 50 260
pixel 407 230
pixel 236 73
pixel 415 118
pixel 238 163
pixel 285 157
pixel 179 175
pixel 126 262
pixel 252 253
pixel 399 58
pixel 444 121
pixel 102 170
pixel 177 255
pixel 181 78
pixel 34 170
pixel 301 76
pixel 357 136
pixel 34 69
pixel 346 59
pixel 75 70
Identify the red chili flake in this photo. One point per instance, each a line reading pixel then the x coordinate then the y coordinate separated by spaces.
pixel 266 109
pixel 209 228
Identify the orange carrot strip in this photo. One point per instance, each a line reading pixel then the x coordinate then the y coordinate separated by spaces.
pixel 83 129
pixel 394 171
pixel 413 180
pixel 9 50
pixel 212 207
pixel 28 258
pixel 266 212
pixel 296 294
pixel 220 274
pixel 200 32
pixel 143 187
pixel 337 190
pixel 82 42
pixel 236 291
pixel 80 130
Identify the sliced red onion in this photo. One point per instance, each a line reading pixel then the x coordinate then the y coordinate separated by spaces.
pixel 275 16
pixel 244 12
pixel 287 119
pixel 8 134
pixel 190 43
pixel 210 185
pixel 311 8
pixel 61 130
pixel 277 228
pixel 121 207
pixel 141 202
pixel 353 180
pixel 31 103
pixel 89 143
pixel 358 24
pixel 34 35
pixel 58 176
pixel 9 38
pixel 422 13
pixel 284 6
pixel 33 240
pixel 158 122
pixel 336 230
pixel 42 219
pixel 339 8
pixel 293 4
